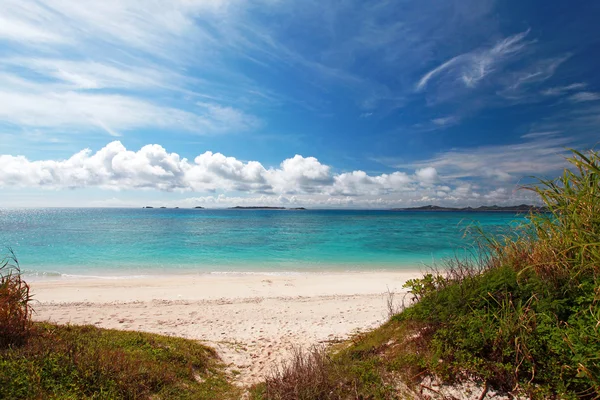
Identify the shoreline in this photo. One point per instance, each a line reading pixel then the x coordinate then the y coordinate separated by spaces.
pixel 253 321
pixel 127 272
pixel 217 285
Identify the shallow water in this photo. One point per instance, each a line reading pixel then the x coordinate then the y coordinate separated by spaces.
pixel 117 242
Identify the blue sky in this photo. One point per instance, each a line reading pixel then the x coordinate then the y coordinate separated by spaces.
pixel 316 103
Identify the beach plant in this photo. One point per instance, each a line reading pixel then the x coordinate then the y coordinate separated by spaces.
pixel 529 319
pixel 15 304
pixel 521 317
pixel 86 362
pixel 43 360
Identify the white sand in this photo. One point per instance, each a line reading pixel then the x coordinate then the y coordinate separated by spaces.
pixel 252 320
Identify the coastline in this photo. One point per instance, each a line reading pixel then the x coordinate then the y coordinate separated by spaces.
pixel 253 320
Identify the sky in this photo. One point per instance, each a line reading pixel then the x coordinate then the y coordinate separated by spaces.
pixel 322 104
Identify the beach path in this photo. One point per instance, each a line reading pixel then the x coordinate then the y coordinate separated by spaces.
pixel 253 320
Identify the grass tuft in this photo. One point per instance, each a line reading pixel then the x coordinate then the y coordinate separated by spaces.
pixel 15 304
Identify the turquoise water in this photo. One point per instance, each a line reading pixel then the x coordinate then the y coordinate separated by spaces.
pixel 128 242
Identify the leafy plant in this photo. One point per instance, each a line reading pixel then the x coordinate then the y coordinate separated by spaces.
pixel 420 287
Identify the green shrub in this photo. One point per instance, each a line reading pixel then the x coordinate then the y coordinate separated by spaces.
pixel 529 319
pixel 522 318
pixel 85 362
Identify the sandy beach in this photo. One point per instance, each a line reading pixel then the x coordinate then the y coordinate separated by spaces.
pixel 253 320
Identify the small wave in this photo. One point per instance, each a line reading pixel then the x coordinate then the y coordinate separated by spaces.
pixel 107 277
pixel 41 274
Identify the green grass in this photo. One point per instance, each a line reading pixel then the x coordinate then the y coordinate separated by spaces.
pixel 85 362
pixel 523 318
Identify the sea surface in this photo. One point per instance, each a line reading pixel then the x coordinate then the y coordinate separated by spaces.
pixel 56 242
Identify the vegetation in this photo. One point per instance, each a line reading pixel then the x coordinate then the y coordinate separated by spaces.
pixel 42 361
pixel 524 318
pixel 85 362
pixel 15 304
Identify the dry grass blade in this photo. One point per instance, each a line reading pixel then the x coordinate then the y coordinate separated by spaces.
pixel 15 304
pixel 308 375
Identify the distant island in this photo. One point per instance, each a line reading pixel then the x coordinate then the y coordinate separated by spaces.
pixel 247 208
pixel 522 208
pixel 264 208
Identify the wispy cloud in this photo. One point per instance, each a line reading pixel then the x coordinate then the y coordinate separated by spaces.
pixel 542 134
pixel 436 71
pixel 112 66
pixel 446 121
pixel 470 68
pixel 78 112
pixel 90 75
pixel 559 90
pixel 517 83
pixel 541 153
pixel 584 96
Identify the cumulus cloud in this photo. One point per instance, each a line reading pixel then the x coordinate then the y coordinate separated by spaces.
pixel 152 167
pixel 427 175
pixel 360 183
pixel 222 181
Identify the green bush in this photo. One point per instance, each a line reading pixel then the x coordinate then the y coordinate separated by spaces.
pixel 529 319
pixel 523 318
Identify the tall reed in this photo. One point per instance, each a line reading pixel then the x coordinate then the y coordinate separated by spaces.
pixel 15 304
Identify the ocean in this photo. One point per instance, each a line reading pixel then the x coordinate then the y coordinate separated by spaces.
pixel 93 242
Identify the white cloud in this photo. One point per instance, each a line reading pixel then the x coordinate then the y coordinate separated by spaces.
pixel 539 134
pixel 153 27
pixel 470 68
pixel 358 183
pixel 558 90
pixel 445 121
pixel 113 66
pixel 584 96
pixel 88 74
pixel 516 83
pixel 542 153
pixel 112 113
pixel 152 168
pixel 427 175
pixel 436 71
pixel 228 181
